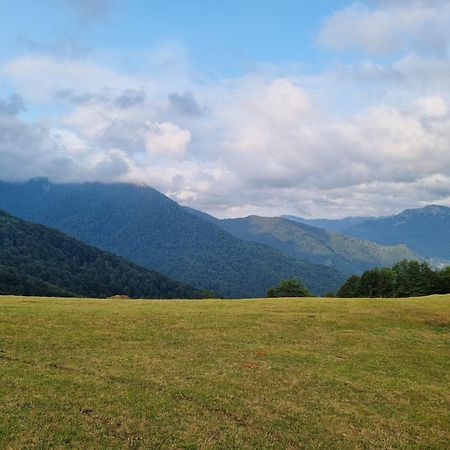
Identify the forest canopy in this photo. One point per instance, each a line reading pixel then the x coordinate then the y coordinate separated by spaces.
pixel 404 279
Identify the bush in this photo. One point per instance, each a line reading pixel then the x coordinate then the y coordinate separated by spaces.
pixel 289 288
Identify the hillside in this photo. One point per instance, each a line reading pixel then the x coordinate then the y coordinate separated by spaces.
pixel 215 374
pixel 425 230
pixel 336 225
pixel 305 243
pixel 143 225
pixel 36 260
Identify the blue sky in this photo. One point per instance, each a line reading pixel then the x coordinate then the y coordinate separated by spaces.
pixel 221 37
pixel 315 108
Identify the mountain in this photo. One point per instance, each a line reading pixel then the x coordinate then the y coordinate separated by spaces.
pixel 36 260
pixel 425 230
pixel 347 254
pixel 330 224
pixel 148 228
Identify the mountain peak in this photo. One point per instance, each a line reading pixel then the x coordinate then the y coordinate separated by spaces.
pixel 436 209
pixel 429 210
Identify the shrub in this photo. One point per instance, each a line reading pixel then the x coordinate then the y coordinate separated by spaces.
pixel 289 288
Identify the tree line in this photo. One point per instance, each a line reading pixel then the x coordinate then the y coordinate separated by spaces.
pixel 404 279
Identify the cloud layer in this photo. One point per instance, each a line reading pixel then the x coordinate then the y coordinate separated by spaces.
pixel 389 27
pixel 362 137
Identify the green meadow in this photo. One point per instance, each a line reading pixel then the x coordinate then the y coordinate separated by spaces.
pixel 228 374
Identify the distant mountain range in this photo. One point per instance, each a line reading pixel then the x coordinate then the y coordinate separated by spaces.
pixel 338 225
pixel 233 257
pixel 347 254
pixel 306 243
pixel 36 260
pixel 148 228
pixel 424 230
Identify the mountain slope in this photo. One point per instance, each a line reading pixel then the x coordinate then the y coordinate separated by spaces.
pixel 303 242
pixel 425 230
pixel 330 224
pixel 36 260
pixel 145 226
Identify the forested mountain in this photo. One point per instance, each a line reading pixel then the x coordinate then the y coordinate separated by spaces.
pixel 36 260
pixel 143 225
pixel 337 225
pixel 305 243
pixel 425 230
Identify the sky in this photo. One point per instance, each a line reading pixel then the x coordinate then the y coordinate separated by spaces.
pixel 317 108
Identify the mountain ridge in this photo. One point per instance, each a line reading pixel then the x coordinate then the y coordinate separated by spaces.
pixel 37 260
pixel 143 225
pixel 425 230
pixel 348 254
pixel 328 224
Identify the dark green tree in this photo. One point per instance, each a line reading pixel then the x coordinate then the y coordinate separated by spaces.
pixel 413 279
pixel 289 288
pixel 444 281
pixel 404 279
pixel 377 283
pixel 350 288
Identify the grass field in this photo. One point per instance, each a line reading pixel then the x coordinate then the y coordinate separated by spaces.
pixel 295 373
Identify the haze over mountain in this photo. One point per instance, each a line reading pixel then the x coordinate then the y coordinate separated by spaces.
pixel 306 243
pixel 425 230
pixel 145 226
pixel 36 260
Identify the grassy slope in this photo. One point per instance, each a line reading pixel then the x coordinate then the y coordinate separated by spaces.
pixel 299 373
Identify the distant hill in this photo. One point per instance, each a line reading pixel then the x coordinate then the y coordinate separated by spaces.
pixel 145 226
pixel 36 260
pixel 425 230
pixel 330 224
pixel 303 242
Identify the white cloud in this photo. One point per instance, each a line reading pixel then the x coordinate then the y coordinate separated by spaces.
pixel 56 75
pixel 368 137
pixel 389 27
pixel 433 106
pixel 166 139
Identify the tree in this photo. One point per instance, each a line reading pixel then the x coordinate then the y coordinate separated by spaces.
pixel 207 293
pixel 444 281
pixel 414 279
pixel 377 283
pixel 350 288
pixel 289 288
pixel 404 279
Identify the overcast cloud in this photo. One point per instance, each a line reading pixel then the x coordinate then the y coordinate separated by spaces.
pixel 369 136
